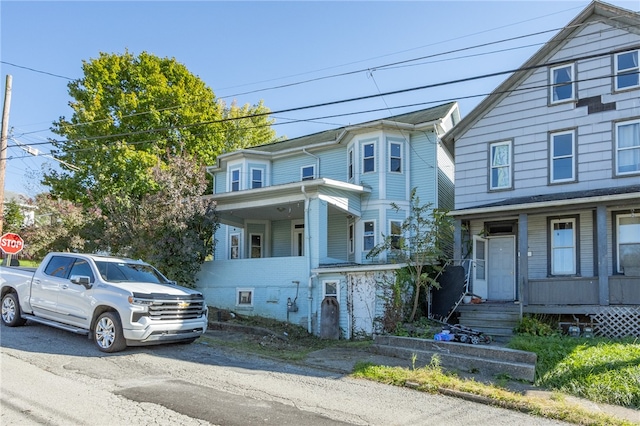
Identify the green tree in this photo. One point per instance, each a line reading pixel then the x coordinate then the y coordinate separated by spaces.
pixel 13 218
pixel 131 112
pixel 171 228
pixel 425 243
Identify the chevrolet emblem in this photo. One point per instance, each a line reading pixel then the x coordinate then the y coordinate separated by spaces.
pixel 183 305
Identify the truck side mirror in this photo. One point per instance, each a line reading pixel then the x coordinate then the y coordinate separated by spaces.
pixel 82 280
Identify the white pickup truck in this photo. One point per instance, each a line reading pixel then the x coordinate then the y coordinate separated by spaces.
pixel 117 302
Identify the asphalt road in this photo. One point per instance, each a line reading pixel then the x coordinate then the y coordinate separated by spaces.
pixel 53 377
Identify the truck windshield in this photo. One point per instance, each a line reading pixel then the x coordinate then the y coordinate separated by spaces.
pixel 134 272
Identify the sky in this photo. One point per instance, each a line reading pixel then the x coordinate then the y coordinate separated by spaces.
pixel 289 54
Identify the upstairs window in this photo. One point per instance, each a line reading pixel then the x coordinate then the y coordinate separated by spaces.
pixel 626 70
pixel 352 234
pixel 369 240
pixel 235 180
pixel 395 157
pixel 500 165
pixel 562 85
pixel 350 163
pixel 628 147
pixel 563 247
pixel 562 157
pixel 256 178
pixel 308 173
pixel 368 158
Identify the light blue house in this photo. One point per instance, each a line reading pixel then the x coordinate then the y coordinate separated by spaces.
pixel 298 218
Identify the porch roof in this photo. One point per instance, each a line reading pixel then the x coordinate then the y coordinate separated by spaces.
pixel 558 202
pixel 284 201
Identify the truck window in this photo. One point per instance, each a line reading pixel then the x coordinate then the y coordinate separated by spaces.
pixel 59 266
pixel 82 267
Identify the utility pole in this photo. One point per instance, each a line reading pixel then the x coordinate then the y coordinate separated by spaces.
pixel 3 144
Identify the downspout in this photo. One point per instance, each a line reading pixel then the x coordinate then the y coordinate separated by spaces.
pixel 308 254
pixel 317 171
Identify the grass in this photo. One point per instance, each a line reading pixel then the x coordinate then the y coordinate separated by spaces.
pixel 600 370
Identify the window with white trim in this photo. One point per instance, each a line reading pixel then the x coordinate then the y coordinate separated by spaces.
pixel 562 156
pixel 256 245
pixel 628 241
pixel 235 180
pixel 562 87
pixel 626 70
pixel 244 297
pixel 628 147
pixel 350 171
pixel 330 289
pixel 369 239
pixel 395 157
pixel 368 158
pixel 256 178
pixel 395 231
pixel 500 165
pixel 308 173
pixel 234 246
pixel 563 246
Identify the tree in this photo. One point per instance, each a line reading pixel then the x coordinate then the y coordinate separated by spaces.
pixel 425 242
pixel 131 112
pixel 171 228
pixel 13 219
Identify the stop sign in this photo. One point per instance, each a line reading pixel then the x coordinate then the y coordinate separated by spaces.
pixel 11 243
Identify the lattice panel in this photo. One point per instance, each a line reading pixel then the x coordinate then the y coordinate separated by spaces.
pixel 616 322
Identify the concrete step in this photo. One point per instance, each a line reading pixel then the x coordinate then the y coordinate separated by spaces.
pixel 486 359
pixel 509 316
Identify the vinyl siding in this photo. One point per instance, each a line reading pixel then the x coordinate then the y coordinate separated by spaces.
pixel 423 166
pixel 281 242
pixel 526 118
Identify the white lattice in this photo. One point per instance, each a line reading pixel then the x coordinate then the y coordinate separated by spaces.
pixel 616 322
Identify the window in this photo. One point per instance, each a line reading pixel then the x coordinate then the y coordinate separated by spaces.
pixel 626 70
pixel 308 173
pixel 562 86
pixel 395 230
pixel 368 158
pixel 500 165
pixel 234 244
pixel 245 297
pixel 81 267
pixel 563 247
pixel 562 157
pixel 351 238
pixel 256 178
pixel 628 232
pixel 59 266
pixel 350 162
pixel 235 180
pixel 330 288
pixel 395 157
pixel 256 246
pixel 628 147
pixel 369 235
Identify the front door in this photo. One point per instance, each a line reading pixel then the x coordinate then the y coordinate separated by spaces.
pixel 479 267
pixel 501 268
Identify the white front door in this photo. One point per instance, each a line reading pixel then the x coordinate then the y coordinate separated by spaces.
pixel 501 268
pixel 362 289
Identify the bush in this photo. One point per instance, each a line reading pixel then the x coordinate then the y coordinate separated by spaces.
pixel 535 326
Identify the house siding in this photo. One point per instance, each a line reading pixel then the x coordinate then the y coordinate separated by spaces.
pixel 424 164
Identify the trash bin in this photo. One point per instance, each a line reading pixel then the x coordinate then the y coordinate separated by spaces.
pixel 330 319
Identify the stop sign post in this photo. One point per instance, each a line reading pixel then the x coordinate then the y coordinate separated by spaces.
pixel 11 244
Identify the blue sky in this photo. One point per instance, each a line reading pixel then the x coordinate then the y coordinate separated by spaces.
pixel 245 50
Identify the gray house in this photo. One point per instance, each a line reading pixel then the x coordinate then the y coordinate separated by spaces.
pixel 548 177
pixel 299 217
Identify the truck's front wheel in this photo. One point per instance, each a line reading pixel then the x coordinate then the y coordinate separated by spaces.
pixel 11 311
pixel 108 333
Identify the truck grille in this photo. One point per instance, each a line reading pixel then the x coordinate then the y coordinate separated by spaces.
pixel 167 307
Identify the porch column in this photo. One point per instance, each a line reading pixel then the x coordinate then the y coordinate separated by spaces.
pixel 317 231
pixel 601 254
pixel 523 259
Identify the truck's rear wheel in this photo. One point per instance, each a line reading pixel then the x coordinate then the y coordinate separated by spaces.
pixel 107 333
pixel 11 311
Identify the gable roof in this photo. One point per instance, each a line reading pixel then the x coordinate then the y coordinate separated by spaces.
pixel 415 118
pixel 595 11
